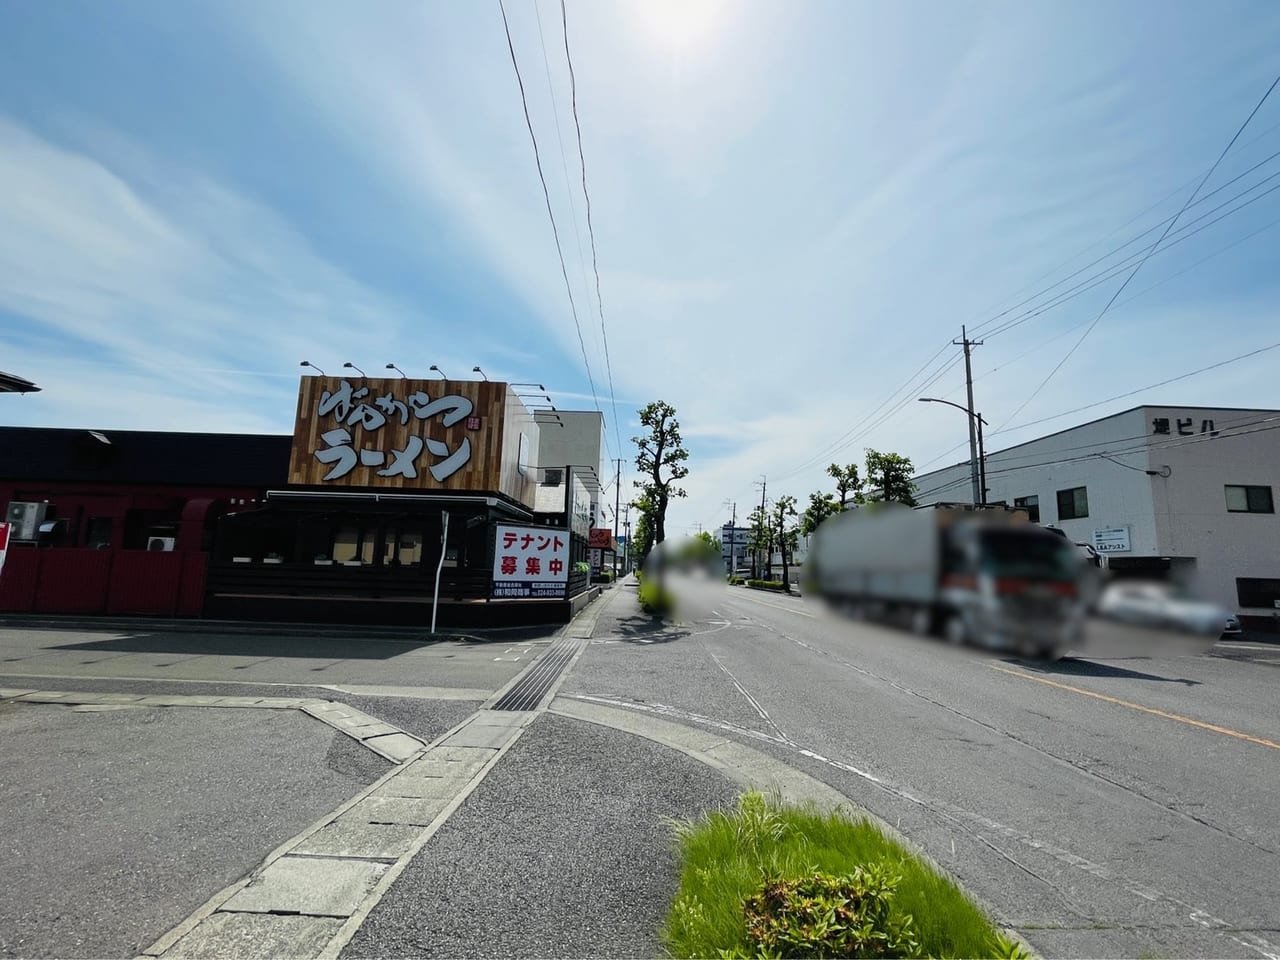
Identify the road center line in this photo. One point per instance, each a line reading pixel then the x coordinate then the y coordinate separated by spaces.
pixel 1227 731
pixel 776 606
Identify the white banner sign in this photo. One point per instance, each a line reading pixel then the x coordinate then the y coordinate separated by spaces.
pixel 530 562
pixel 1111 540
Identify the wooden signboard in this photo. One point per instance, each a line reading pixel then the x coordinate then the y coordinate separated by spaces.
pixel 414 436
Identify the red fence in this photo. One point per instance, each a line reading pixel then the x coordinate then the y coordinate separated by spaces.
pixel 116 582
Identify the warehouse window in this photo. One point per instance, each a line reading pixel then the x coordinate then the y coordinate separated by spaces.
pixel 1073 504
pixel 1257 592
pixel 1242 499
pixel 1031 505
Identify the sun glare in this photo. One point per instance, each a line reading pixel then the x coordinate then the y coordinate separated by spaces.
pixel 680 25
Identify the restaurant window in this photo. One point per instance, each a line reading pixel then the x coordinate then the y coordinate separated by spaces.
pixel 402 548
pixel 1030 504
pixel 1073 504
pixel 1247 499
pixel 354 543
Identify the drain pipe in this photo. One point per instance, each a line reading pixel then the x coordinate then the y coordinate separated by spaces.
pixel 444 547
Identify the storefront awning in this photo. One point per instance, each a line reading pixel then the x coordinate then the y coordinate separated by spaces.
pixel 437 500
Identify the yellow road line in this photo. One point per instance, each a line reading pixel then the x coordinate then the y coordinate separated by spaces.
pixel 1137 706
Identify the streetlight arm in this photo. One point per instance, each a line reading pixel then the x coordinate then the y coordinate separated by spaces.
pixel 964 410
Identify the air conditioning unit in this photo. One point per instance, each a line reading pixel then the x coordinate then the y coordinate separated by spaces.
pixel 160 544
pixel 25 518
pixel 552 477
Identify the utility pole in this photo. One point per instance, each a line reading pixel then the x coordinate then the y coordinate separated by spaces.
pixel 979 495
pixel 764 524
pixel 617 504
pixel 733 537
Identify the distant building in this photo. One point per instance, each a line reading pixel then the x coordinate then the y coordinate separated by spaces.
pixel 733 547
pixel 1168 492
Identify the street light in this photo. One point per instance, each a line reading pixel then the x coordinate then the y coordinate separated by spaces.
pixel 538 385
pixel 351 366
pixel 479 371
pixel 439 371
pixel 308 363
pixel 980 485
pixel 403 375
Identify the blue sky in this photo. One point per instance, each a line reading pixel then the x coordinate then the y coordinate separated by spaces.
pixel 796 205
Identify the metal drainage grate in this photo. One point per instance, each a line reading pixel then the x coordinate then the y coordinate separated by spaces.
pixel 533 686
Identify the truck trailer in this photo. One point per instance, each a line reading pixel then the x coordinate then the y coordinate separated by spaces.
pixel 983 577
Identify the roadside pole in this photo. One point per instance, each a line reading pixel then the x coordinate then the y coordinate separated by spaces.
pixel 444 548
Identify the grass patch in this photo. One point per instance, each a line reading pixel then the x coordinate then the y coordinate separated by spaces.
pixel 768 879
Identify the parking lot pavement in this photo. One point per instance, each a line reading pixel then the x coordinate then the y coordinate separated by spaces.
pixel 120 822
pixel 476 667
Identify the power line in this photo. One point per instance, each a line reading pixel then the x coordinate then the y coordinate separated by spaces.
pixel 848 437
pixel 1168 227
pixel 1146 253
pixel 555 232
pixel 1151 386
pixel 1097 279
pixel 591 233
pixel 1134 219
pixel 981 328
pixel 1123 451
pixel 1118 396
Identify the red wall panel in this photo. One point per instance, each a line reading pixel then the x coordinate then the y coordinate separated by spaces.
pixel 195 568
pixel 144 583
pixel 18 580
pixel 72 581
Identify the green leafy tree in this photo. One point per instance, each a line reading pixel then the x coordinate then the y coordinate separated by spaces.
pixel 660 458
pixel 702 549
pixel 760 543
pixel 785 533
pixel 642 539
pixel 889 474
pixel 821 506
pixel 848 483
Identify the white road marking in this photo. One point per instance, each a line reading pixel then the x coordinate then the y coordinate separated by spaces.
pixel 777 606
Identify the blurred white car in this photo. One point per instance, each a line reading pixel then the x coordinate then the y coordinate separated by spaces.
pixel 1161 606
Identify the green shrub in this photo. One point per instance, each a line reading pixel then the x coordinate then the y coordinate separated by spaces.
pixel 748 873
pixel 821 915
pixel 655 600
pixel 735 581
pixel 767 584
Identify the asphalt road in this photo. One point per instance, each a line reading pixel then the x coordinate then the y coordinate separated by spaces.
pixel 1103 807
pixel 117 825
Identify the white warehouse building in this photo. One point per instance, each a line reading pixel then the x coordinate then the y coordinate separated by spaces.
pixel 1179 493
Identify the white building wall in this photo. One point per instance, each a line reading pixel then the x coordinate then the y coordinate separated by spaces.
pixel 578 443
pixel 1191 504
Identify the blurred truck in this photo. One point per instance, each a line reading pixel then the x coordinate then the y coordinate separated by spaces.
pixel 987 578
